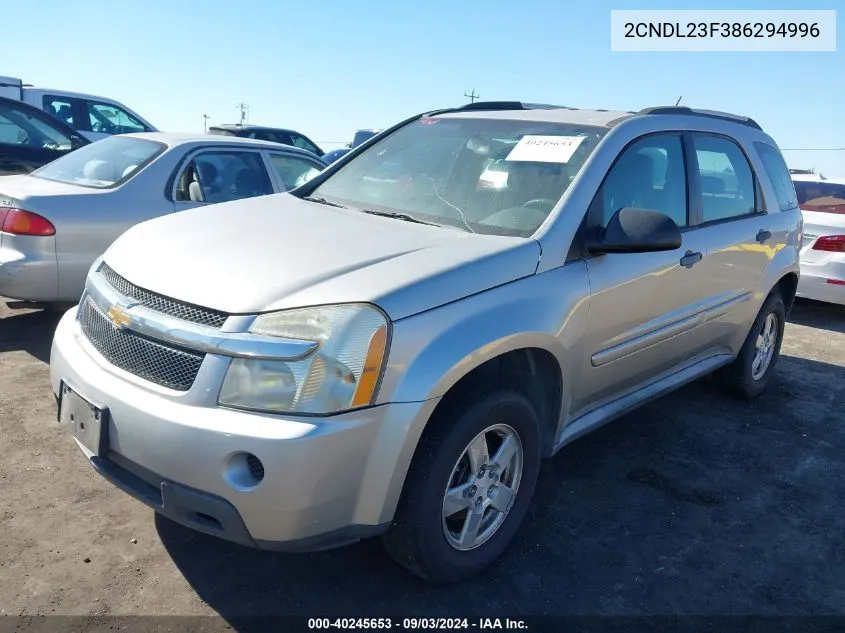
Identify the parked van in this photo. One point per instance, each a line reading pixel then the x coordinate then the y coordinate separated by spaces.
pixel 92 116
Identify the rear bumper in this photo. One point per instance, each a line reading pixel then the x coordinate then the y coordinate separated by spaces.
pixel 27 276
pixel 818 282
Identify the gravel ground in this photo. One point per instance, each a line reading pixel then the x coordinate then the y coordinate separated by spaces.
pixel 696 504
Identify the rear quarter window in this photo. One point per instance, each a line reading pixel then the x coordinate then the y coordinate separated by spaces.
pixel 778 174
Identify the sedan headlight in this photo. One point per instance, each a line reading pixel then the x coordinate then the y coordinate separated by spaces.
pixel 342 373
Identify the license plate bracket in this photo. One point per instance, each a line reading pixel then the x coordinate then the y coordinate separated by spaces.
pixel 84 420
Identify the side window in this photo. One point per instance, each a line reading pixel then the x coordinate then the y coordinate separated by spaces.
pixel 221 176
pixel 279 137
pixel 302 142
pixel 110 119
pixel 778 175
pixel 728 189
pixel 20 127
pixel 293 171
pixel 61 108
pixel 649 174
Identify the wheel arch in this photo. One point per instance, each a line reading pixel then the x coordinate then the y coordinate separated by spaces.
pixel 542 383
pixel 533 371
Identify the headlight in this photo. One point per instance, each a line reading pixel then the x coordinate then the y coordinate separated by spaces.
pixel 341 374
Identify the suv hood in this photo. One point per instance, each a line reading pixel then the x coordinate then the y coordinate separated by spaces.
pixel 278 251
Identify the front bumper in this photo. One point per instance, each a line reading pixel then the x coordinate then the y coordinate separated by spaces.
pixel 327 481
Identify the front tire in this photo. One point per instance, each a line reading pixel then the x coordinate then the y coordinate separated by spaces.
pixel 468 488
pixel 749 375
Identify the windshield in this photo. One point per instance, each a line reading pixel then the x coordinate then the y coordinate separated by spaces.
pixel 492 176
pixel 102 164
pixel 826 197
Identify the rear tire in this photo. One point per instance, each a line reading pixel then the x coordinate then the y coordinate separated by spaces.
pixel 432 531
pixel 749 375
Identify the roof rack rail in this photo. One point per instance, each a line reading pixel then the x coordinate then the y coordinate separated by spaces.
pixel 712 114
pixel 507 105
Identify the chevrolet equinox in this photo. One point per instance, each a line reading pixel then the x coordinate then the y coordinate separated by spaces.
pixel 393 347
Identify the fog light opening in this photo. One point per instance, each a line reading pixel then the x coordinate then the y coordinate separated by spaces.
pixel 256 468
pixel 243 471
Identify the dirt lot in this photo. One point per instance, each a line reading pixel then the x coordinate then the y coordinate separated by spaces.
pixel 696 504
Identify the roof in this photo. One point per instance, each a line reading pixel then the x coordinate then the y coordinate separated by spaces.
pixel 546 113
pixel 600 118
pixel 173 139
pixel 68 93
pixel 238 126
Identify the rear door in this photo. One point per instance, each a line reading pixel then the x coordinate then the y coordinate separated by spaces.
pixel 644 307
pixel 740 238
pixel 220 174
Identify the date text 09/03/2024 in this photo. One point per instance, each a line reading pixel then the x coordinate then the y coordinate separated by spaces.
pixel 416 624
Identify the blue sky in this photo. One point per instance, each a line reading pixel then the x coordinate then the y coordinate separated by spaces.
pixel 327 68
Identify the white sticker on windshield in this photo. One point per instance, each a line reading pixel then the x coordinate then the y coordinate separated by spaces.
pixel 545 149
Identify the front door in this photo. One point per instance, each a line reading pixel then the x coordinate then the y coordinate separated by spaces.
pixel 644 307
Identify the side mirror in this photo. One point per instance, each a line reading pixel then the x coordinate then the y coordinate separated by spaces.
pixel 633 230
pixel 76 142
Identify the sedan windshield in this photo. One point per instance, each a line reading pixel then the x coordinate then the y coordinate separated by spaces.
pixel 493 176
pixel 102 164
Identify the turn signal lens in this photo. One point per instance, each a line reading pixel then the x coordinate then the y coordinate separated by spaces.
pixel 372 369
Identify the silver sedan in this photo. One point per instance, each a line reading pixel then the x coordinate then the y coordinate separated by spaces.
pixel 57 220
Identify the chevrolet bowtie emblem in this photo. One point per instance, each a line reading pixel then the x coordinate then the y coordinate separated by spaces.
pixel 119 317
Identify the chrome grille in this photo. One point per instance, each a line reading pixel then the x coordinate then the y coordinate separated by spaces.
pixel 160 303
pixel 159 363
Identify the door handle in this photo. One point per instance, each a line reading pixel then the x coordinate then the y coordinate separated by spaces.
pixel 690 259
pixel 763 235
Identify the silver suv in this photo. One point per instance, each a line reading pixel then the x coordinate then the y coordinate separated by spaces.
pixel 392 348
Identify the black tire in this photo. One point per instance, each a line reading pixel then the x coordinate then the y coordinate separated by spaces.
pixel 737 378
pixel 416 539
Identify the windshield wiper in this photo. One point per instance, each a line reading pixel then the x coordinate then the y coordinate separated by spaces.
pixel 324 201
pixel 398 216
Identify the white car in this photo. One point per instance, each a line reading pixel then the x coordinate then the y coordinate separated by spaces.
pixel 822 203
pixel 55 221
